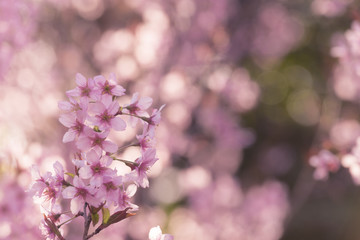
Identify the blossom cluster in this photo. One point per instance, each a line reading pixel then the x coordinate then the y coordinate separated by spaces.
pixel 327 161
pixel 344 149
pixel 90 114
pixel 346 73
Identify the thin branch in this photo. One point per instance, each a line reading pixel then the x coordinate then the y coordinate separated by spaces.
pixel 93 234
pixel 77 215
pixel 127 162
pixel 120 149
pixel 86 222
pixel 146 119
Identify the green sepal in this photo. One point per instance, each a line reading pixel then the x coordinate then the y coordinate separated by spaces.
pixel 95 218
pixel 70 174
pixel 106 215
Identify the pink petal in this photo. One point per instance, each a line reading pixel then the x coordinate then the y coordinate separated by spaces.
pixel 83 143
pixel 100 80
pixel 109 146
pixel 92 200
pixel 95 94
pixel 80 80
pixel 145 102
pixel 97 108
pixel 91 83
pixel 131 190
pixel 167 237
pixel 96 181
pixel 69 192
pixel 134 98
pixel 58 168
pixel 85 172
pixel 118 90
pixel 106 99
pixel 149 156
pixel 106 161
pixel 103 134
pixel 77 182
pixel 113 108
pixel 143 181
pixel 92 157
pixel 68 120
pixel 76 205
pixel 65 105
pixel 73 92
pixel 118 124
pixel 69 136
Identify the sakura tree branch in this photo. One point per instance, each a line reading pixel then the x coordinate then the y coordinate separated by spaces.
pixel 69 220
pixel 120 149
pixel 87 222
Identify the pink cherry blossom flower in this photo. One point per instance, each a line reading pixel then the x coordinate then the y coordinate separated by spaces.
pixel 85 88
pixel 97 168
pixel 143 164
pixel 75 123
pixel 109 190
pixel 79 193
pixel 40 181
pixel 105 116
pixel 109 88
pixel 124 198
pixel 324 163
pixel 53 217
pixel 73 106
pixel 59 174
pixel 47 231
pixel 155 233
pixel 137 107
pixel 50 194
pixel 153 121
pixel 145 141
pixel 96 140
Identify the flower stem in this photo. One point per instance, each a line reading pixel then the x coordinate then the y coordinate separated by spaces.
pixel 77 215
pixel 132 115
pixel 127 162
pixel 120 149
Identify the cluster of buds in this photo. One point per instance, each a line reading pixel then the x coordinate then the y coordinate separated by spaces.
pixel 95 187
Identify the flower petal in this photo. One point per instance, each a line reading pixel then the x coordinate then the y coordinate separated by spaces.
pixel 69 136
pixel 109 146
pixel 118 124
pixel 69 192
pixel 80 80
pixel 76 205
pixel 85 172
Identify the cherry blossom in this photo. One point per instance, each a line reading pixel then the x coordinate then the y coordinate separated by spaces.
pixel 85 88
pixel 156 234
pixel 324 162
pixel 91 114
pixel 79 194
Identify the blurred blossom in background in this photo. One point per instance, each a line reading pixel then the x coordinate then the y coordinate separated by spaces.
pixel 253 90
